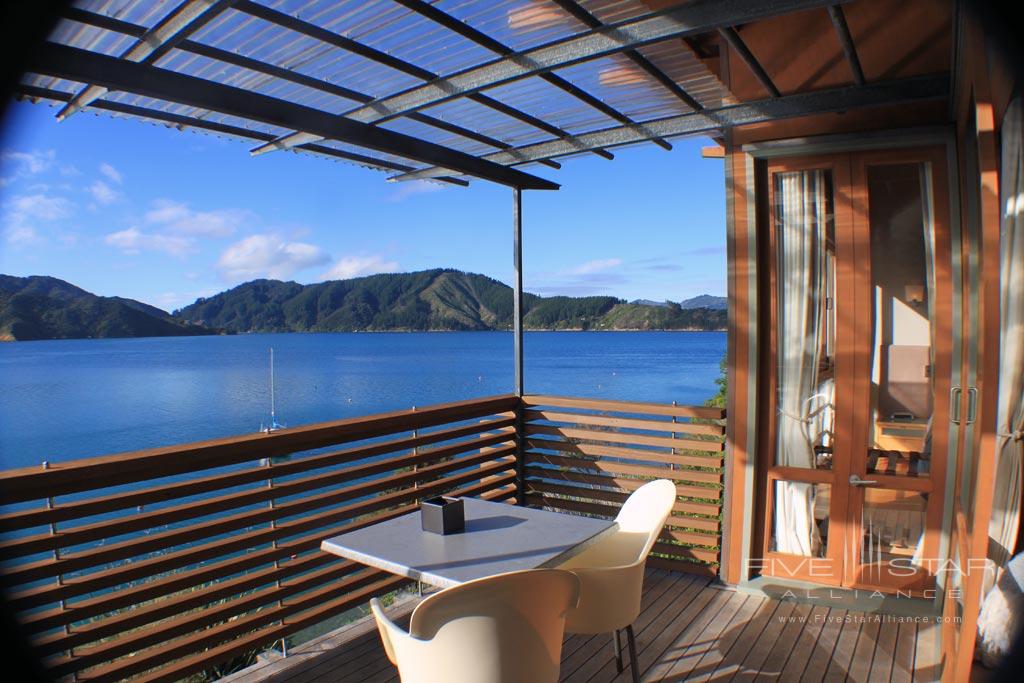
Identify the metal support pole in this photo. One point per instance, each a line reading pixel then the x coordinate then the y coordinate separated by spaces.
pixel 268 464
pixel 517 333
pixel 60 577
pixel 517 285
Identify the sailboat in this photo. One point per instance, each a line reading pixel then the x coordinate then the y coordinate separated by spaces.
pixel 274 424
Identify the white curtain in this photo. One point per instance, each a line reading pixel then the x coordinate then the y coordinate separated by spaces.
pixel 1010 417
pixel 801 248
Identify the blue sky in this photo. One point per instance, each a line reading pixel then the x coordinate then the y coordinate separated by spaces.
pixel 124 208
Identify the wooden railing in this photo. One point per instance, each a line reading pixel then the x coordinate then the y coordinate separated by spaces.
pixel 162 563
pixel 587 455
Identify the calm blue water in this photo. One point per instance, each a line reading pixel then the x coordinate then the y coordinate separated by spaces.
pixel 74 398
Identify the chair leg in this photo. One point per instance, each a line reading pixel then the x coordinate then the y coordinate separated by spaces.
pixel 631 641
pixel 618 650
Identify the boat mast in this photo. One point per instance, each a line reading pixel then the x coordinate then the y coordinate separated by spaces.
pixel 273 417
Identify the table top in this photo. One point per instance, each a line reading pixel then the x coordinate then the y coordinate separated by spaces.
pixel 498 538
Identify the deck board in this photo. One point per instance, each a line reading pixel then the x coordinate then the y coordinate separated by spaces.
pixel 689 629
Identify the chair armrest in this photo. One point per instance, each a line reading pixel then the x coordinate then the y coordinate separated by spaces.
pixel 389 631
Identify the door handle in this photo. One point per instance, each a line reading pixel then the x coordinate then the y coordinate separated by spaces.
pixel 972 404
pixel 954 404
pixel 855 480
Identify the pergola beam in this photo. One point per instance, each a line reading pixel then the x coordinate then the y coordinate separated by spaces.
pixel 693 18
pixel 911 90
pixel 577 11
pixel 274 71
pixel 835 12
pixel 461 28
pixel 733 38
pixel 186 19
pixel 76 64
pixel 323 35
pixel 181 121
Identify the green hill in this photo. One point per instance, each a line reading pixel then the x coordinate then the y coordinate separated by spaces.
pixel 40 307
pixel 439 299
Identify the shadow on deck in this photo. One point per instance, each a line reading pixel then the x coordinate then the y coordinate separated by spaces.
pixel 690 630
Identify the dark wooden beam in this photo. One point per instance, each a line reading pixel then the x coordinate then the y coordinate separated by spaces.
pixel 733 38
pixel 210 52
pixel 835 12
pixel 85 66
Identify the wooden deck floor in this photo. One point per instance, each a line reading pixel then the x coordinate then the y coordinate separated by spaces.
pixel 690 630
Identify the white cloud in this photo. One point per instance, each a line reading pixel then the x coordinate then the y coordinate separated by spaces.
pixel 595 266
pixel 26 163
pixel 179 218
pixel 269 256
pixel 134 241
pixel 38 206
pixel 354 266
pixel 111 173
pixel 21 236
pixel 103 193
pixel 412 188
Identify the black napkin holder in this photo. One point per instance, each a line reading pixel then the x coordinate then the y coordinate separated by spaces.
pixel 443 515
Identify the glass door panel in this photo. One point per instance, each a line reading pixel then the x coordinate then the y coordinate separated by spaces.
pixel 902 373
pixel 800 498
pixel 901 234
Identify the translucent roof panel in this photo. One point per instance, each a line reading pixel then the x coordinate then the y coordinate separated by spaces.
pixel 545 101
pixel 337 56
pixel 147 14
pixel 617 81
pixel 518 24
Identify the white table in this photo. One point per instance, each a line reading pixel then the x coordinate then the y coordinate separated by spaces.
pixel 498 538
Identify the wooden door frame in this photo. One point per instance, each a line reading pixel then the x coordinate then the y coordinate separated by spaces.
pixel 935 484
pixel 851 364
pixel 795 566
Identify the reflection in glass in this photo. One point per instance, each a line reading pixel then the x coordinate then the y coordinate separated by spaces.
pixel 902 313
pixel 803 510
pixel 893 525
pixel 803 218
pixel 805 278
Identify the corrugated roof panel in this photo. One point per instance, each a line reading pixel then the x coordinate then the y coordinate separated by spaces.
pixel 283 47
pixel 438 136
pixel 519 24
pixel 545 101
pixel 487 121
pixel 622 84
pixel 228 74
pixel 147 13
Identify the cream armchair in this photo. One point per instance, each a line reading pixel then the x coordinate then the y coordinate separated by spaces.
pixel 611 572
pixel 506 628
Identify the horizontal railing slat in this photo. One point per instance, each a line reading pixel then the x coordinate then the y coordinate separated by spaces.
pixel 621 437
pixel 109 528
pixel 616 467
pixel 101 555
pixel 703 460
pixel 682 512
pixel 616 482
pixel 73 587
pixel 375 512
pixel 60 512
pixel 631 407
pixel 625 423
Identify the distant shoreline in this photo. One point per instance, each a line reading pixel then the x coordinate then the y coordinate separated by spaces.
pixel 9 339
